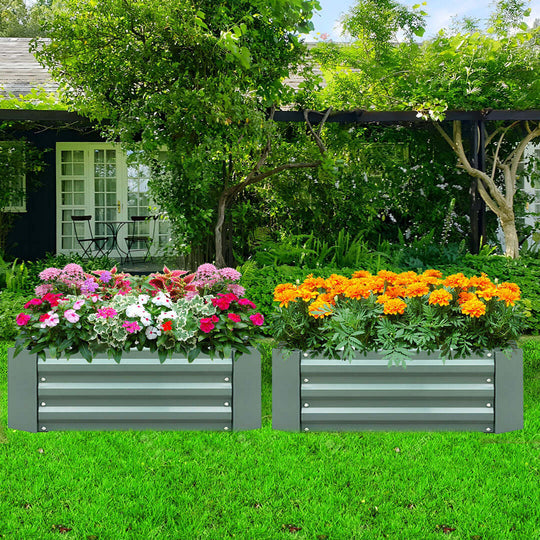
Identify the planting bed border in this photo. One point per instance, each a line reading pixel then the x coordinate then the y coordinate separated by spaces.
pixel 481 393
pixel 138 393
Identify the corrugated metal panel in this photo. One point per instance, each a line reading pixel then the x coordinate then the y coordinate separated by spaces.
pixel 138 393
pixel 366 394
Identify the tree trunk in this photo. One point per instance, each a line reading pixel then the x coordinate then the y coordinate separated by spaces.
pixel 511 240
pixel 218 231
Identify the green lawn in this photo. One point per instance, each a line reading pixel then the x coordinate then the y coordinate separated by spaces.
pixel 271 485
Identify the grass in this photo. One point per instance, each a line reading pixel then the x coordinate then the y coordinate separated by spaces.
pixel 271 485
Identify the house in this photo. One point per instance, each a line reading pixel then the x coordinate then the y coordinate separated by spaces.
pixel 83 174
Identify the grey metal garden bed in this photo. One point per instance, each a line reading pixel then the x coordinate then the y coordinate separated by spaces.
pixel 138 393
pixel 481 393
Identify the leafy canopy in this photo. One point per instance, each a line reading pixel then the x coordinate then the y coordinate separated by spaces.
pixel 462 68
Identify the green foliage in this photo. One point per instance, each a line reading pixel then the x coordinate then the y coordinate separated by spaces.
pixel 20 165
pixel 198 82
pixel 13 276
pixel 37 99
pixel 17 19
pixel 10 306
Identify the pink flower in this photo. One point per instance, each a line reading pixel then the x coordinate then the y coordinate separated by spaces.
pixel 206 270
pixel 49 319
pixel 71 315
pixel 33 302
pixel 73 269
pixel 206 325
pixel 230 273
pixel 106 313
pixel 131 327
pixel 234 317
pixel 236 289
pixel 79 304
pixel 49 273
pixel 23 319
pixel 42 290
pixel 246 302
pixel 257 319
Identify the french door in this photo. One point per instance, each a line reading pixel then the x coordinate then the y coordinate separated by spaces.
pixel 95 179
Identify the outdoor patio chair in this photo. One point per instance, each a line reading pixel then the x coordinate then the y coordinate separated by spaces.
pixel 92 246
pixel 141 230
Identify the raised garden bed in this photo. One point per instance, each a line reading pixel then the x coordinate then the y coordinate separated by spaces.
pixel 138 393
pixel 480 393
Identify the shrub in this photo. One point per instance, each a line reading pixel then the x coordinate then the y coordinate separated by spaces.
pixel 10 307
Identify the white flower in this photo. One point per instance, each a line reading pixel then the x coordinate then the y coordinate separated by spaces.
pixel 135 310
pixel 146 318
pixel 166 316
pixel 162 299
pixel 143 298
pixel 152 332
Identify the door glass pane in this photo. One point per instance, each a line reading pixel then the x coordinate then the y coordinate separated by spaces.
pixel 71 195
pixel 105 196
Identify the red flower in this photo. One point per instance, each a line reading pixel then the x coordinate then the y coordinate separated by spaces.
pixel 206 325
pixel 44 317
pixel 246 302
pixel 224 301
pixel 257 319
pixel 167 326
pixel 33 302
pixel 214 318
pixel 234 317
pixel 52 299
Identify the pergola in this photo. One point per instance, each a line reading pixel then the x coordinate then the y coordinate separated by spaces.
pixel 476 120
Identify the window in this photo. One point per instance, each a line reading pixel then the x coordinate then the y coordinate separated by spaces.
pixel 13 178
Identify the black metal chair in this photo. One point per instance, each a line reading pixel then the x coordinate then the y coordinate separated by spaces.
pixel 88 242
pixel 140 231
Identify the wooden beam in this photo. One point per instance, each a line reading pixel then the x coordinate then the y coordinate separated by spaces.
pixel 25 115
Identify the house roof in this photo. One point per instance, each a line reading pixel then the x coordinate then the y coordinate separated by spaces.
pixel 20 72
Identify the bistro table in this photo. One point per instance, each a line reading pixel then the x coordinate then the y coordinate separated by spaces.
pixel 114 228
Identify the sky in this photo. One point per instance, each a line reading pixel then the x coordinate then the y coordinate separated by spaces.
pixel 440 13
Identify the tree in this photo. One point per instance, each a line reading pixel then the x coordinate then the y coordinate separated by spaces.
pixel 198 77
pixel 473 69
pixel 19 20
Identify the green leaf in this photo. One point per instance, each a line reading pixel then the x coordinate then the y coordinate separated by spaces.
pixel 162 355
pixel 85 352
pixel 193 353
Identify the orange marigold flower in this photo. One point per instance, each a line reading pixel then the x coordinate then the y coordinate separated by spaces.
pixel 487 293
pixel 432 273
pixel 383 298
pixel 416 289
pixel 405 278
pixel 507 295
pixel 474 308
pixel 313 283
pixel 457 281
pixel 306 294
pixel 320 309
pixel 336 284
pixel 361 274
pixel 395 292
pixel 327 298
pixel 387 275
pixel 465 296
pixel 283 287
pixel 394 306
pixel 440 297
pixel 357 288
pixel 286 296
pixel 376 284
pixel 480 282
pixel 512 286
